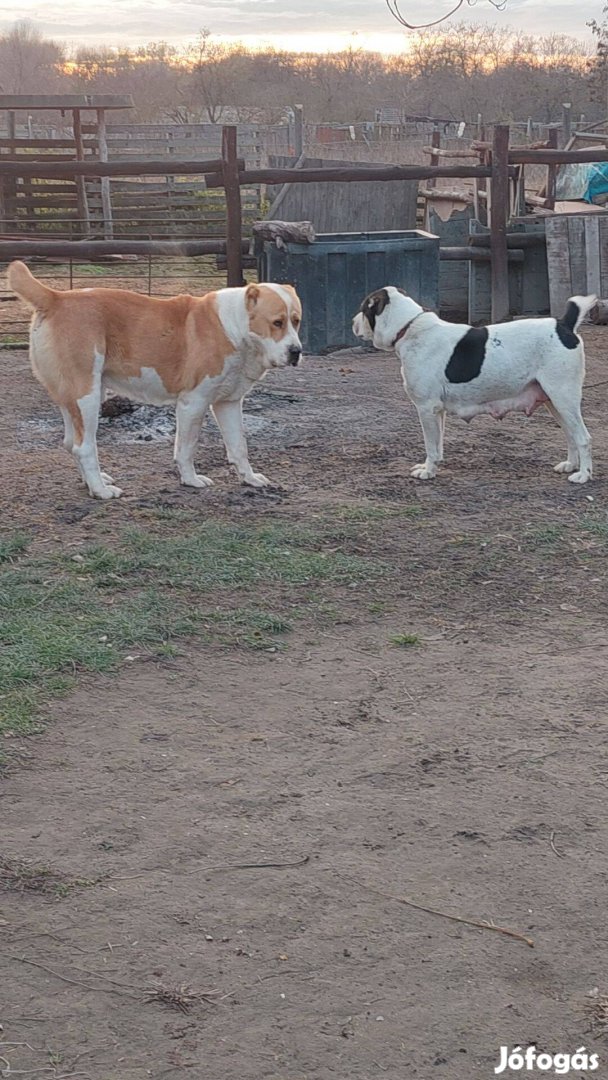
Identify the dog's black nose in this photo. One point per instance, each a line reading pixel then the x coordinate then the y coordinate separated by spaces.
pixel 294 355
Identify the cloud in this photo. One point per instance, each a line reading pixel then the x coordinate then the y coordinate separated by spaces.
pixel 285 22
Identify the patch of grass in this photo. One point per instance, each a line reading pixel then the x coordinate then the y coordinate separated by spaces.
pixel 23 877
pixel 12 546
pixel 85 613
pixel 402 641
pixel 547 535
pixel 378 607
pixel 596 525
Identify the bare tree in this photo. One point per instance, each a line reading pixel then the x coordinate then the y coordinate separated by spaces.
pixel 598 68
pixel 211 75
pixel 29 62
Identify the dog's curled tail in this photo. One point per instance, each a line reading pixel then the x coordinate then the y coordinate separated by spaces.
pixel 576 310
pixel 28 288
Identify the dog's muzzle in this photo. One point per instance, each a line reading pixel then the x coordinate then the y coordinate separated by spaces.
pixel 293 356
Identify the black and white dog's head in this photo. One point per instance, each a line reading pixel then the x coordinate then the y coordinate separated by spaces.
pixel 383 316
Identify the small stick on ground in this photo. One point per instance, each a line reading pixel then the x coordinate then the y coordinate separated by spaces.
pixel 481 924
pixel 251 866
pixel 74 982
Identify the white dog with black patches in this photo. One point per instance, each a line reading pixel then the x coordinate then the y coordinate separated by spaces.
pixel 467 371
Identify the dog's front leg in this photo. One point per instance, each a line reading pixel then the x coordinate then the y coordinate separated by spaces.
pixel 229 417
pixel 189 416
pixel 432 428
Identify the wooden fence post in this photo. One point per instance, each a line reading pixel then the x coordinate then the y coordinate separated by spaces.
pixel 10 190
pixel 230 172
pixel 566 122
pixel 435 143
pixel 298 130
pixel 551 171
pixel 106 201
pixel 81 191
pixel 498 222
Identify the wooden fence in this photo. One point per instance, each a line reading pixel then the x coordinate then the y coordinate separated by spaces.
pixel 229 172
pixel 342 208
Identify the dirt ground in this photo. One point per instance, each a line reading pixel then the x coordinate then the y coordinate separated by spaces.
pixel 467 772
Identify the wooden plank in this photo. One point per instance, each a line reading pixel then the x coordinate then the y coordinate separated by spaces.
pixel 603 256
pixel 515 239
pixel 81 192
pixel 89 249
pixel 577 255
pixel 437 153
pixel 348 208
pixel 498 223
pixel 522 156
pixel 51 168
pixel 357 173
pixel 232 188
pixel 558 261
pixel 435 146
pixel 23 143
pixel 44 202
pixel 551 173
pixel 283 191
pixel 592 252
pixel 106 201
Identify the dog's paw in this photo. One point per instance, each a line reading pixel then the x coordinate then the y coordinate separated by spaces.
pixel 423 472
pixel 108 491
pixel 564 467
pixel 256 479
pixel 107 479
pixel 580 477
pixel 197 481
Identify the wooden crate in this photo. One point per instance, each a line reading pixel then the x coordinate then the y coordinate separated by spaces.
pixel 577 256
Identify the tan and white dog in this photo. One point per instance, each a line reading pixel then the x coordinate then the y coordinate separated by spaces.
pixel 195 353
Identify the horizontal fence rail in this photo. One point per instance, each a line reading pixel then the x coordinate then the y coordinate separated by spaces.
pixel 372 173
pixel 231 174
pixel 91 249
pixel 69 169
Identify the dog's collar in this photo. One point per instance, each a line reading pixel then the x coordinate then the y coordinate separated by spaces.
pixel 404 329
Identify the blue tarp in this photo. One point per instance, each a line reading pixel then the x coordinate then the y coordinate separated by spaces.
pixel 587 182
pixel 597 181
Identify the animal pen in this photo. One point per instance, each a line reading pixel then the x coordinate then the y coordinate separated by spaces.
pixel 503 253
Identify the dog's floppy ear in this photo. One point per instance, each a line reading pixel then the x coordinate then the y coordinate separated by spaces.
pixel 374 305
pixel 252 293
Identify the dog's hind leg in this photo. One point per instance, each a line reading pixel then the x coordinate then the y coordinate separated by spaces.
pixel 431 423
pixel 68 442
pixel 442 418
pixel 84 415
pixel 568 412
pixel 189 415
pixel 571 463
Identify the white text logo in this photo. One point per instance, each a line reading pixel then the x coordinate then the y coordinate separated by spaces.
pixel 560 1064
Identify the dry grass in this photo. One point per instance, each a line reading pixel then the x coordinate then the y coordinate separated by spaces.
pixel 181 998
pixel 596 1011
pixel 22 877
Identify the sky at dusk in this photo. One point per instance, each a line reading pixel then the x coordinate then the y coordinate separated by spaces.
pixel 300 25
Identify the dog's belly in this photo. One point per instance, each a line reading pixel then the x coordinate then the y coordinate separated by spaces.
pixel 527 401
pixel 147 387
